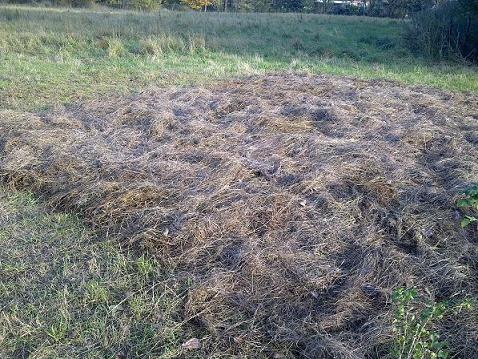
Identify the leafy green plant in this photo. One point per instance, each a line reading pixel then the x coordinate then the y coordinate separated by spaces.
pixel 413 325
pixel 469 205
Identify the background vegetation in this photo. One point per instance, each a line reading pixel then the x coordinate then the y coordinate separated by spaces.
pixel 54 56
pixel 448 30
pixel 384 8
pixel 439 28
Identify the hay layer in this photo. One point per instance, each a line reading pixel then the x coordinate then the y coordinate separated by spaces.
pixel 295 204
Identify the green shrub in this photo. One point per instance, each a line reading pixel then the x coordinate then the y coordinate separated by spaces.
pixel 82 3
pixel 114 3
pixel 344 10
pixel 145 5
pixel 445 31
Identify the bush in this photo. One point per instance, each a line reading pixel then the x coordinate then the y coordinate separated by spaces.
pixel 413 324
pixel 445 31
pixel 344 10
pixel 145 5
pixel 82 3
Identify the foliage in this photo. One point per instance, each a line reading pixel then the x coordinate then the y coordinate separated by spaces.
pixel 346 10
pixel 413 325
pixel 397 8
pixel 447 30
pixel 197 4
pixel 82 3
pixel 145 5
pixel 381 8
pixel 469 204
pixel 287 5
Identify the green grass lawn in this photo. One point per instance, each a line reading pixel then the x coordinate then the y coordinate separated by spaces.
pixel 66 294
pixel 54 56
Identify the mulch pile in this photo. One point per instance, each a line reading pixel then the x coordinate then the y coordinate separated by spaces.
pixel 295 204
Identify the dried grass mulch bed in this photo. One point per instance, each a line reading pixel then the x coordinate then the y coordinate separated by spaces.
pixel 296 204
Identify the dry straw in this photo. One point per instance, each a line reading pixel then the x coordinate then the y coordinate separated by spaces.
pixel 296 204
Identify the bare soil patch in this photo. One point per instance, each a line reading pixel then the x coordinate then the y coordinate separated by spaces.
pixel 295 204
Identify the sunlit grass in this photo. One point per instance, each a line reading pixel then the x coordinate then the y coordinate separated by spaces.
pixel 55 56
pixel 66 294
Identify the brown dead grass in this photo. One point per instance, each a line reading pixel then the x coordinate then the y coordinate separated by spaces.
pixel 297 204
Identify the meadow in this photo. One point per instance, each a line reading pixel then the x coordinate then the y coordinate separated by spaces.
pixel 191 185
pixel 51 56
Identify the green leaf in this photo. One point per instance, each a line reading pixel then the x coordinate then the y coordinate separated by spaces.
pixel 467 220
pixel 442 354
pixel 462 203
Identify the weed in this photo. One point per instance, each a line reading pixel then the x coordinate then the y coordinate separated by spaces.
pixel 96 292
pixel 413 325
pixel 469 205
pixel 138 307
pixel 146 266
pixel 58 331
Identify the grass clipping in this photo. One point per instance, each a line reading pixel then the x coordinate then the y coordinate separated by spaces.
pixel 294 204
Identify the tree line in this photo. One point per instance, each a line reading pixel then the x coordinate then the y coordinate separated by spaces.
pixel 386 8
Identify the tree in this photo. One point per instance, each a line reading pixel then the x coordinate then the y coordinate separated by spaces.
pixel 197 4
pixel 287 5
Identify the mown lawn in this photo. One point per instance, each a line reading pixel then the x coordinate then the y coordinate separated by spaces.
pixel 54 56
